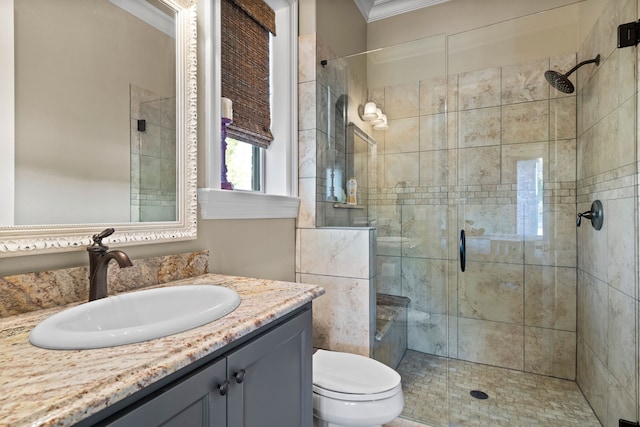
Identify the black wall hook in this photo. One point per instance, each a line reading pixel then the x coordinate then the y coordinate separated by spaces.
pixel 595 215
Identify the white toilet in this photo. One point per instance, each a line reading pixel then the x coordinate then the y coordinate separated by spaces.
pixel 354 391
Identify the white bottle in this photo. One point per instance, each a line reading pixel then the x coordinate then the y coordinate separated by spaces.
pixel 352 191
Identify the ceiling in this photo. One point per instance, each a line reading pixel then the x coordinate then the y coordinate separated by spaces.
pixel 373 10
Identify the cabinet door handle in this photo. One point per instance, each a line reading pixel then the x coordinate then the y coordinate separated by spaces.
pixel 224 388
pixel 240 376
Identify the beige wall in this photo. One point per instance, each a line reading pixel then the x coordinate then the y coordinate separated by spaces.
pixel 253 248
pixel 452 17
pixel 341 26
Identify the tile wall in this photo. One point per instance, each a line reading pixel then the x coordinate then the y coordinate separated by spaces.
pixel 607 259
pixel 491 151
pixel 153 157
pixel 340 259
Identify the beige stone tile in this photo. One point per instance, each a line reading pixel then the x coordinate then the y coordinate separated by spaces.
pixel 589 103
pixel 606 30
pixel 402 170
pixel 607 85
pixel 492 343
pixel 492 291
pixel 479 165
pixel 550 352
pixel 402 100
pixel 306 105
pixel 306 57
pixel 491 233
pixel 479 127
pixel 478 89
pixel 435 167
pixel 452 93
pixel 427 332
pixel 335 251
pixel 389 230
pixel 389 274
pixel 593 315
pixel 433 132
pixel 525 122
pixel 620 403
pixel 620 217
pixel 592 376
pixel 556 245
pixel 403 136
pixel 550 297
pixel 562 160
pixel 380 170
pixel 433 96
pixel 424 281
pixel 512 157
pixel 307 211
pixel 525 82
pixel 562 118
pixel 307 153
pixel 341 317
pixel 424 231
pixel 620 336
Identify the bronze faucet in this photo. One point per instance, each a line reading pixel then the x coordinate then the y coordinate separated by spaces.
pixel 99 257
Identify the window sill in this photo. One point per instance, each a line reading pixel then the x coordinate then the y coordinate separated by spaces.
pixel 226 204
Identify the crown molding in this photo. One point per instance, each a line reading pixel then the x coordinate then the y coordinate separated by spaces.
pixel 374 10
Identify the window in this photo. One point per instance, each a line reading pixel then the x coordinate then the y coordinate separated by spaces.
pixel 279 163
pixel 244 165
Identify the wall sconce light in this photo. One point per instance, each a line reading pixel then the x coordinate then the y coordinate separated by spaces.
pixel 374 115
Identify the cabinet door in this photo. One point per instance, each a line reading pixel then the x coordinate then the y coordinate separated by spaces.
pixel 271 383
pixel 194 402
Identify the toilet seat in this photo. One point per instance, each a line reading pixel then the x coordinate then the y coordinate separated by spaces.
pixel 347 376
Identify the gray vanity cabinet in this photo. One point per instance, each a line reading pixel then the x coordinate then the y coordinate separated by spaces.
pixel 265 382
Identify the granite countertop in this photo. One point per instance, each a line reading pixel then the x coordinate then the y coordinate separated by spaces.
pixel 41 387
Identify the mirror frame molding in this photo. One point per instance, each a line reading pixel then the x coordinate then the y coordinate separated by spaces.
pixel 39 239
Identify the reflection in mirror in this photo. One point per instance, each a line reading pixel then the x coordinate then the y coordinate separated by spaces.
pixel 105 122
pixel 80 88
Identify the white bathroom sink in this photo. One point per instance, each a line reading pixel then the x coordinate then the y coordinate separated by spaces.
pixel 134 317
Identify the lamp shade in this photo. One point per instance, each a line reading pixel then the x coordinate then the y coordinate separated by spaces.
pixel 369 111
pixel 383 125
pixel 378 118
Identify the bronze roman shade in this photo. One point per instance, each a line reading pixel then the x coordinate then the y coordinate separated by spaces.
pixel 246 25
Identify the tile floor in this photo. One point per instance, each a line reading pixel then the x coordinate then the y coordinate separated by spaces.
pixel 515 398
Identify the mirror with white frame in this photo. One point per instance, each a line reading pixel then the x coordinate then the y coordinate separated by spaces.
pixel 98 124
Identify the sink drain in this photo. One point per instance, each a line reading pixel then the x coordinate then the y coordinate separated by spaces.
pixel 479 394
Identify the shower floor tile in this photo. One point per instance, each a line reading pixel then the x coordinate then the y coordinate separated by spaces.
pixel 515 398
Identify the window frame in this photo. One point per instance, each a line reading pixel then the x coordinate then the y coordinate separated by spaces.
pixel 278 198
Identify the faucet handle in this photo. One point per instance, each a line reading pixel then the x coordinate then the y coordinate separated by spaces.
pixel 97 238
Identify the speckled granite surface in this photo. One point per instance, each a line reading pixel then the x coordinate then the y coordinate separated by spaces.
pixel 36 291
pixel 51 387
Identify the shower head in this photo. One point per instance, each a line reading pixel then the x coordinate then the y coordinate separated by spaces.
pixel 561 81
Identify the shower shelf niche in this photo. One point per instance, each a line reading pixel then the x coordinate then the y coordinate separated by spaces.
pixel 347 206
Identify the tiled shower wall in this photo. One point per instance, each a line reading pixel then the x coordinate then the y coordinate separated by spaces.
pixel 340 259
pixel 462 152
pixel 608 259
pixel 153 157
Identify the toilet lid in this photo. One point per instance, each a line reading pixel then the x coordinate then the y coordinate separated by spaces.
pixel 351 373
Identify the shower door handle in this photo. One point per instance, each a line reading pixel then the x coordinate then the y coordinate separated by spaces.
pixel 463 251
